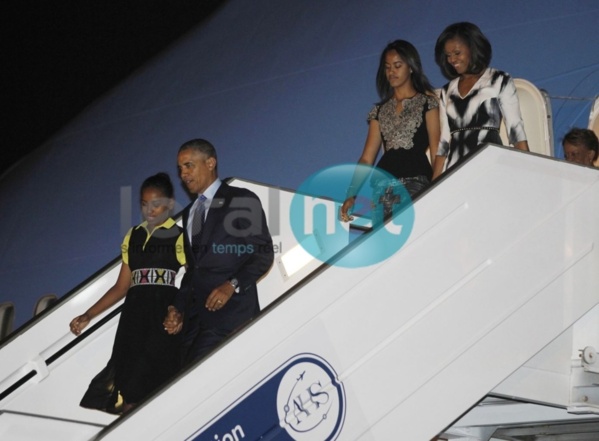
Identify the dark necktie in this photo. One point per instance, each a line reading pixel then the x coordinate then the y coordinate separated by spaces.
pixel 198 223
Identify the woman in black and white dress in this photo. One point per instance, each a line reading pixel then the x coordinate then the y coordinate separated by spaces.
pixel 476 99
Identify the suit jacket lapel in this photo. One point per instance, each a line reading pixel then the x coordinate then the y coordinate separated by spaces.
pixel 186 238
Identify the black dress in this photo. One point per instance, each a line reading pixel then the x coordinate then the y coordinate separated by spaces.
pixel 405 141
pixel 405 136
pixel 144 356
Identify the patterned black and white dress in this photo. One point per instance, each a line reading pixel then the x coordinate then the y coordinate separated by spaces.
pixel 471 121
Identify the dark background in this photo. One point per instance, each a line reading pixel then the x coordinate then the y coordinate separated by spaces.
pixel 60 55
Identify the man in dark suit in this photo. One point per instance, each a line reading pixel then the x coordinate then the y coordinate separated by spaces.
pixel 228 249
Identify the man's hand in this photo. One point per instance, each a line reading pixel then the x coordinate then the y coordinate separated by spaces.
pixel 219 296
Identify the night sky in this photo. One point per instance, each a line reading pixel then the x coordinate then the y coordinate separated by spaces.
pixel 60 55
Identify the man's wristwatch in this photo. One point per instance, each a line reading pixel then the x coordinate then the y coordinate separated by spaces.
pixel 234 283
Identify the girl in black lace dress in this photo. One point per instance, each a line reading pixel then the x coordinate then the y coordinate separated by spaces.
pixel 405 123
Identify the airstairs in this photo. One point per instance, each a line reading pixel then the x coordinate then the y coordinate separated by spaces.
pixel 483 326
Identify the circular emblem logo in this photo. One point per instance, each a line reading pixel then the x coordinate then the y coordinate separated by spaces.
pixel 316 224
pixel 310 400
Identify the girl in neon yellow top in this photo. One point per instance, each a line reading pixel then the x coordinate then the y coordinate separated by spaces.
pixel 144 355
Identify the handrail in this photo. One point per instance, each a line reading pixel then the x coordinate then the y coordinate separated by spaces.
pixel 51 359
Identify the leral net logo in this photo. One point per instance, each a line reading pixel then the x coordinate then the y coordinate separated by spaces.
pixel 316 224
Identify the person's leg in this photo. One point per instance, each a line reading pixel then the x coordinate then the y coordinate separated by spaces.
pixel 416 184
pixel 204 342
